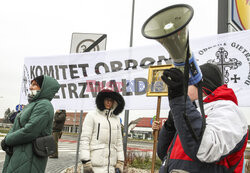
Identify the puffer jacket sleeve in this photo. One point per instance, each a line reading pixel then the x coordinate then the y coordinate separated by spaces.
pixel 164 140
pixel 189 144
pixel 38 121
pixel 87 130
pixel 225 129
pixel 120 154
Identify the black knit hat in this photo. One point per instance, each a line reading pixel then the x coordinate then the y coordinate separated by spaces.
pixel 39 80
pixel 212 77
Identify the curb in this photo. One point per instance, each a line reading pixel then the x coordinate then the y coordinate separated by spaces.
pixel 72 169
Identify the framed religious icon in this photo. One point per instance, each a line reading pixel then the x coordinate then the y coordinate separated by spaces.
pixel 156 86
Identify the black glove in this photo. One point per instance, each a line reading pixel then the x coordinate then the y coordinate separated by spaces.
pixel 169 124
pixel 6 148
pixel 174 78
pixel 87 167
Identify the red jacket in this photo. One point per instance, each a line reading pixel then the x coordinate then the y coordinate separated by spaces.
pixel 223 142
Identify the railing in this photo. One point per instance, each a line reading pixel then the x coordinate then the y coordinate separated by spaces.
pixel 6 125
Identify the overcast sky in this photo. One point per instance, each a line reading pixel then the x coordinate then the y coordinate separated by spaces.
pixel 38 28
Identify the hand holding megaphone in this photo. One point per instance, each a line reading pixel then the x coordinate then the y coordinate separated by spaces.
pixel 174 78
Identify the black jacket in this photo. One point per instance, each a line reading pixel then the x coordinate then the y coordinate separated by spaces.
pixel 59 120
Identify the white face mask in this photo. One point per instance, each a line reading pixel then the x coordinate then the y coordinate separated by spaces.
pixel 32 92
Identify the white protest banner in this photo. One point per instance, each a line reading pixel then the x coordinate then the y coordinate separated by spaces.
pixel 231 52
pixel 82 75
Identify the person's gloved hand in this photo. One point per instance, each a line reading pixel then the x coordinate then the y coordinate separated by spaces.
pixel 119 165
pixel 8 149
pixel 169 124
pixel 3 145
pixel 174 78
pixel 87 167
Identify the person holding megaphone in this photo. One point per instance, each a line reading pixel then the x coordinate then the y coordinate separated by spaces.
pixel 220 146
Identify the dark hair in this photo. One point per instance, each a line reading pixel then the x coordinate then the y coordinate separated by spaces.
pixel 108 93
pixel 39 80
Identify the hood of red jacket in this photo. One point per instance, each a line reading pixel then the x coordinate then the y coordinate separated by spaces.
pixel 222 93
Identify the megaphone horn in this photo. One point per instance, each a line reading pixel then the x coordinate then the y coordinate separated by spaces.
pixel 169 27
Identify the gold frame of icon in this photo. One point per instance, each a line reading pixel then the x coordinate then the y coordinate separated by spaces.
pixel 156 87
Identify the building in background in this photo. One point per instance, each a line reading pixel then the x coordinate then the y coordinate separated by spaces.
pixel 72 122
pixel 233 15
pixel 143 128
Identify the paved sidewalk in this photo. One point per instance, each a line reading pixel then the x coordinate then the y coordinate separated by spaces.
pixel 58 165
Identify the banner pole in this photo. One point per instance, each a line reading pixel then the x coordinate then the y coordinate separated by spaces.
pixel 132 24
pixel 126 116
pixel 156 132
pixel 78 141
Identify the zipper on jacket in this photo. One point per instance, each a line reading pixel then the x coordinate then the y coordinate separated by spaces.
pixel 98 130
pixel 109 138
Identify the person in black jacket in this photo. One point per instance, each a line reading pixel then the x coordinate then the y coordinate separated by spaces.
pixel 166 135
pixel 58 124
pixel 216 145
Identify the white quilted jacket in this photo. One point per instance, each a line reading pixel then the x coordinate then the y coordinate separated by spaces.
pixel 101 140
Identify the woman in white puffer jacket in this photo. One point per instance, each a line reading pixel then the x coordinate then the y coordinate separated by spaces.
pixel 101 147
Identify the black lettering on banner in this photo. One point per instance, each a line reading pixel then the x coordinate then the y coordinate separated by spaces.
pixel 91 88
pixel 72 90
pixel 98 87
pixel 161 58
pixel 72 71
pixel 124 88
pixel 39 70
pixel 144 60
pixel 49 71
pixel 247 82
pixel 113 85
pixel 131 63
pixel 84 86
pixel 63 86
pixel 247 55
pixel 57 73
pixel 241 49
pixel 84 71
pixel 140 86
pixel 32 74
pixel 115 66
pixel 63 67
pixel 98 65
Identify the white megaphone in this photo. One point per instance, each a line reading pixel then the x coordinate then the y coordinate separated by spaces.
pixel 169 26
